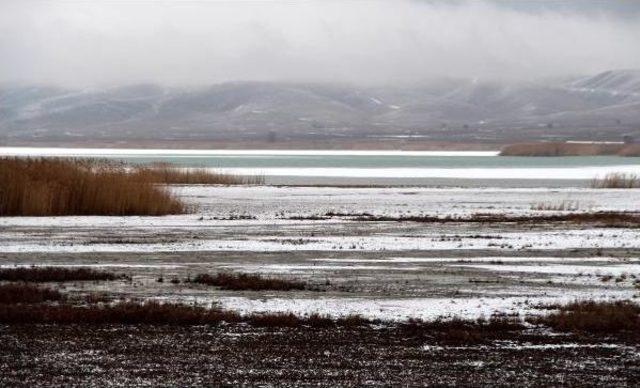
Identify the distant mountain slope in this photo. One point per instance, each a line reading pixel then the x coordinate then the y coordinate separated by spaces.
pixel 601 107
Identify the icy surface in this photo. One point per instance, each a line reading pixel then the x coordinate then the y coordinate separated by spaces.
pixel 385 270
pixel 401 309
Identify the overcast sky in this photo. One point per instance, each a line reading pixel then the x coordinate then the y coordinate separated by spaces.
pixel 84 43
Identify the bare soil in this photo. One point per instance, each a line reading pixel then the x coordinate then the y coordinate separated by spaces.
pixel 98 356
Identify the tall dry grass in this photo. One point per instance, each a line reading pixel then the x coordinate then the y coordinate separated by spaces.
pixel 55 274
pixel 616 180
pixel 242 281
pixel 607 317
pixel 24 293
pixel 57 187
pixel 560 149
pixel 551 148
pixel 169 174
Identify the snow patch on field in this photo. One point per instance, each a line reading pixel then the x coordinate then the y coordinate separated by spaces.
pixel 615 270
pixel 501 259
pixel 565 239
pixel 391 309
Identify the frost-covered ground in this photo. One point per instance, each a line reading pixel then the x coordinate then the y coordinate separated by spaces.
pixel 389 270
pixel 263 219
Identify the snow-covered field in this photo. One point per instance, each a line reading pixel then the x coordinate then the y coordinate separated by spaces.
pixel 388 270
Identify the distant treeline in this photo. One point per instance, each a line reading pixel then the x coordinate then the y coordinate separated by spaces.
pixel 570 149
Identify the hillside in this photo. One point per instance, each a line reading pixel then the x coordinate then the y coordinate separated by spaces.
pixel 605 106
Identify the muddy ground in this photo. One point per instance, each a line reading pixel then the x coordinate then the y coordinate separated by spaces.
pixel 167 356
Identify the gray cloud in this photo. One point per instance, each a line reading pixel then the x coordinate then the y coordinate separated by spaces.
pixel 182 42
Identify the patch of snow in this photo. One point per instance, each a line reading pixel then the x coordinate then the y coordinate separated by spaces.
pixel 615 270
pixel 551 173
pixel 400 309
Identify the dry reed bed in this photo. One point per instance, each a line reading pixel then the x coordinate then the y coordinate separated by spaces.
pixel 569 149
pixel 28 294
pixel 169 174
pixel 608 219
pixel 594 318
pixel 55 274
pixel 27 304
pixel 242 281
pixel 616 180
pixel 155 313
pixel 58 187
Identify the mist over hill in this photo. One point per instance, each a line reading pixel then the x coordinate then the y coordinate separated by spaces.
pixel 603 106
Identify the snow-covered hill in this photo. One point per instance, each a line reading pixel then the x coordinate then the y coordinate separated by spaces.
pixel 603 106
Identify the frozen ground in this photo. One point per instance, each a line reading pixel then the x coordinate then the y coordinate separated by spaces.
pixel 276 219
pixel 390 270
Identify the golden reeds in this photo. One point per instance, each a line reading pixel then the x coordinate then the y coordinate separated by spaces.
pixel 616 180
pixel 169 174
pixel 57 187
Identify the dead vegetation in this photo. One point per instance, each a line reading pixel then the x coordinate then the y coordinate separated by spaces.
pixel 604 218
pixel 127 313
pixel 28 304
pixel 616 180
pixel 590 317
pixel 242 281
pixel 565 149
pixel 169 174
pixel 21 293
pixel 465 331
pixel 155 313
pixel 58 187
pixel 55 274
pixel 566 205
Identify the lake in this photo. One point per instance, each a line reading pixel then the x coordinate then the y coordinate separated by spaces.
pixel 309 167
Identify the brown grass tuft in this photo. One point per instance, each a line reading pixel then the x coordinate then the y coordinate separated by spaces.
pixel 616 180
pixel 465 331
pixel 241 281
pixel 54 274
pixel 57 187
pixel 122 313
pixel 595 318
pixel 27 293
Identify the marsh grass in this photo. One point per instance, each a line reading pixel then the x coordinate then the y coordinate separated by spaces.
pixel 603 218
pixel 58 187
pixel 169 174
pixel 250 282
pixel 616 180
pixel 561 149
pixel 465 331
pixel 22 293
pixel 594 318
pixel 156 313
pixel 556 206
pixel 55 274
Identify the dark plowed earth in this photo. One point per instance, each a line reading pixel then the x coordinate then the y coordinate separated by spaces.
pixel 36 355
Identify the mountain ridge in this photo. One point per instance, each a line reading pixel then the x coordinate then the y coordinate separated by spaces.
pixel 604 106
